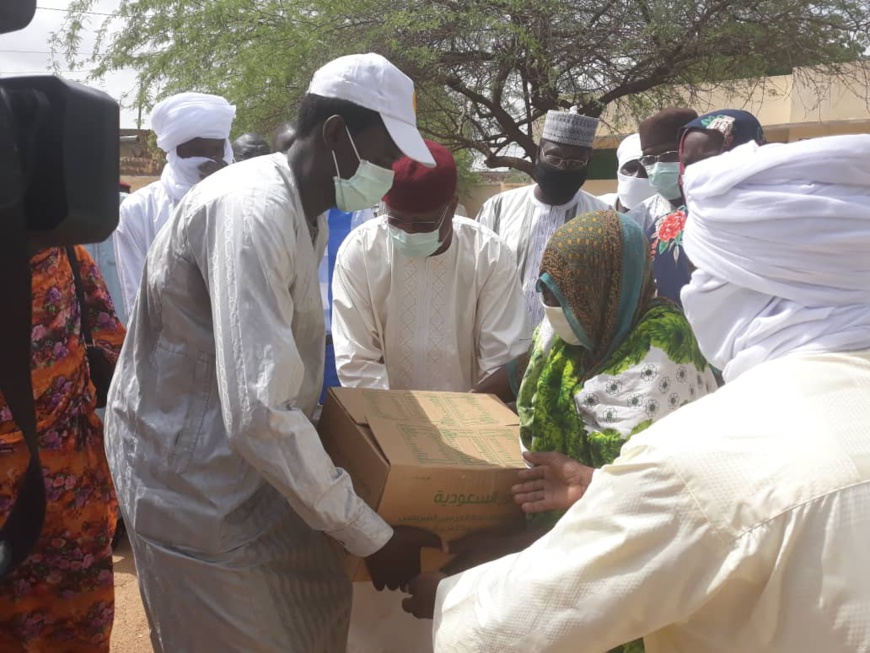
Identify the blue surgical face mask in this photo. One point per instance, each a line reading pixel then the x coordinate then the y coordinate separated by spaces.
pixel 418 245
pixel 367 186
pixel 665 178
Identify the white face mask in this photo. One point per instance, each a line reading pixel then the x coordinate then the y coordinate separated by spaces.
pixel 559 321
pixel 633 191
pixel 367 186
pixel 420 245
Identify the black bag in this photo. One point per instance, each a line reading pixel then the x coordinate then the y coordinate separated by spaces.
pixel 101 368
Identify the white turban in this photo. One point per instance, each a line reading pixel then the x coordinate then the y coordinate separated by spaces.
pixel 780 235
pixel 181 118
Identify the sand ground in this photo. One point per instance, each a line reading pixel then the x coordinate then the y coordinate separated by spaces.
pixel 130 632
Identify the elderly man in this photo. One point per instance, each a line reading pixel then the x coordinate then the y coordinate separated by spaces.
pixel 740 521
pixel 425 300
pixel 249 146
pixel 227 493
pixel 527 217
pixel 193 129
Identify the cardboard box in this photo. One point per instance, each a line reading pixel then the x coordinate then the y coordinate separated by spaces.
pixel 442 461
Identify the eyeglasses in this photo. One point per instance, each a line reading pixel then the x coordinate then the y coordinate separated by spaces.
pixel 564 164
pixel 665 157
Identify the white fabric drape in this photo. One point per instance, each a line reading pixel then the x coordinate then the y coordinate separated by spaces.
pixel 780 235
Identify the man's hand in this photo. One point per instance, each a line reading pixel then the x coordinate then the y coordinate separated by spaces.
pixel 399 560
pixel 556 482
pixel 423 590
pixel 210 167
pixel 481 547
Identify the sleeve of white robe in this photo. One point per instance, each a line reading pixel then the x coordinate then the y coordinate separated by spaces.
pixel 486 214
pixel 359 350
pixel 634 555
pixel 130 250
pixel 249 266
pixel 502 323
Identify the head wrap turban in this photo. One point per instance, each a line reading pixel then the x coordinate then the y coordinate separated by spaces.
pixel 181 118
pixel 780 235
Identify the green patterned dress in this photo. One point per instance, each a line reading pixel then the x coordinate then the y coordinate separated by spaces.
pixel 639 362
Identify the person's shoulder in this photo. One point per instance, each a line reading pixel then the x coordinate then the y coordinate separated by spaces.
pixel 262 176
pixel 478 235
pixel 143 196
pixel 507 196
pixel 591 201
pixel 361 240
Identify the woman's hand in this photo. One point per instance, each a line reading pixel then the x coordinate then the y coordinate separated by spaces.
pixel 556 482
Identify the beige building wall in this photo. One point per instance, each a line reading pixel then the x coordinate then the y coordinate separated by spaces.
pixel 807 104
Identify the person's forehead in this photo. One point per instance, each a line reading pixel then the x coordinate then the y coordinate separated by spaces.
pixel 563 150
pixel 415 216
pixel 661 148
pixel 703 140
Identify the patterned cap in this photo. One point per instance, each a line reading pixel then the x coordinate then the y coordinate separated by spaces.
pixel 570 128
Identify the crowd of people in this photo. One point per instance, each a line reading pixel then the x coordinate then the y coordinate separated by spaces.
pixel 689 360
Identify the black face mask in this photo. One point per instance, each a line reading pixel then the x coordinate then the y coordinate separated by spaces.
pixel 559 186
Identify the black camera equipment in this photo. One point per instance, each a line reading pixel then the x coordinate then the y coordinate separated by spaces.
pixel 59 172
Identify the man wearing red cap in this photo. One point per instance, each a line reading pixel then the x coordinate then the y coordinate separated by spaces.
pixel 422 299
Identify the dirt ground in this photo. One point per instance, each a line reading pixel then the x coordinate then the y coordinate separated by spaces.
pixel 130 632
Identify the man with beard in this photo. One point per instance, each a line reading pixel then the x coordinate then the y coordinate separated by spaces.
pixel 527 217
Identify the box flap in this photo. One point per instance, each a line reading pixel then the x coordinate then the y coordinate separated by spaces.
pixel 430 445
pixel 441 408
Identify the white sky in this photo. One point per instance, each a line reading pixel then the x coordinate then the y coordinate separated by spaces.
pixel 27 52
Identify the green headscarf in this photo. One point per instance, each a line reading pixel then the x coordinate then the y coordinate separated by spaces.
pixel 597 266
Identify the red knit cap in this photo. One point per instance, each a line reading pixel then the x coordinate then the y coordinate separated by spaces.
pixel 418 189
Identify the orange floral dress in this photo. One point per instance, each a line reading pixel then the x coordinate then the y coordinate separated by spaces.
pixel 61 599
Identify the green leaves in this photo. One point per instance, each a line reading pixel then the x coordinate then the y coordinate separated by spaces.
pixel 486 70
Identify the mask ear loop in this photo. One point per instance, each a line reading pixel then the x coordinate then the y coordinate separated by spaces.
pixel 355 151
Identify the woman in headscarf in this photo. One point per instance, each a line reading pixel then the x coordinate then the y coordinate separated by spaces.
pixel 706 136
pixel 61 598
pixel 610 359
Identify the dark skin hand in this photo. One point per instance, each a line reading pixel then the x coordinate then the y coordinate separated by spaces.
pixel 484 546
pixel 209 148
pixel 394 565
pixel 556 482
pixel 475 549
pixel 423 590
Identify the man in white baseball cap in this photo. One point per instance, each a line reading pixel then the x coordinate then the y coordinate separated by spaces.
pixel 221 477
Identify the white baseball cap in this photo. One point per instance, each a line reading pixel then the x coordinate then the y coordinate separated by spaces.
pixel 371 81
